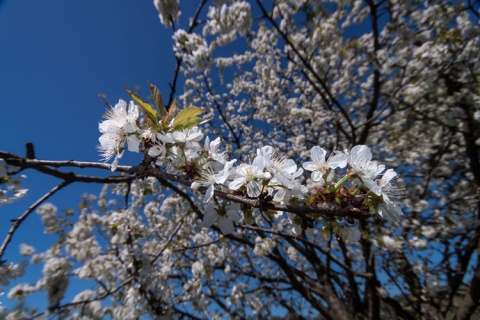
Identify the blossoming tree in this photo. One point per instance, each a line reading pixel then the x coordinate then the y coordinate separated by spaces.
pixel 312 160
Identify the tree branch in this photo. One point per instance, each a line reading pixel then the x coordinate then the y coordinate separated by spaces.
pixel 326 209
pixel 19 220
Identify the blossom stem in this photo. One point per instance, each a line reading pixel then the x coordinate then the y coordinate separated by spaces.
pixel 338 185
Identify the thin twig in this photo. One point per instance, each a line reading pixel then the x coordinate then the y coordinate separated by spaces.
pixel 19 220
pixel 173 83
pixel 84 302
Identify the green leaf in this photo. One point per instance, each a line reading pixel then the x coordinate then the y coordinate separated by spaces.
pixel 188 124
pixel 187 116
pixel 157 98
pixel 147 108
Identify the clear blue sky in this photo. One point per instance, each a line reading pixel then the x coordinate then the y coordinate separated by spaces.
pixel 56 56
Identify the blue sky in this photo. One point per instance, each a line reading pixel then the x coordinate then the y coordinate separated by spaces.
pixel 56 56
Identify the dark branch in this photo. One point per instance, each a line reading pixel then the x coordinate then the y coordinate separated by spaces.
pixel 44 166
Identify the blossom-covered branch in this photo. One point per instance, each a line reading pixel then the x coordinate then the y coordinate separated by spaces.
pixel 270 182
pixel 264 197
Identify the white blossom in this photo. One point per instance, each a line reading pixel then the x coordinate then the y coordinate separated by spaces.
pixel 10 187
pixel 229 18
pixel 48 212
pixel 118 129
pixel 320 166
pixel 20 291
pixel 168 9
pixel 212 147
pixel 390 243
pixel 417 243
pixel 26 250
pixel 263 246
pixel 223 216
pixel 249 174
pixel 383 187
pixel 360 159
pixel 209 179
pixel 198 269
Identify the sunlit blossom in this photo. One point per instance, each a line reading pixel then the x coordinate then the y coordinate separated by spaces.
pixel 118 129
pixel 213 149
pixel 251 174
pixel 209 179
pixel 360 159
pixel 320 166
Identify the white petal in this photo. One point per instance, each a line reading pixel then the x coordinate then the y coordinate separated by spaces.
pixel 215 143
pixel 209 194
pixel 373 186
pixel 284 180
pixel 265 151
pixel 310 166
pixel 379 170
pixel 133 143
pixel 129 126
pixel 253 189
pixel 194 134
pixel 297 173
pixel 317 176
pixel 156 151
pixel 338 160
pixel 223 175
pixel 318 154
pixel 280 196
pixel 195 185
pixel 107 141
pixel 114 164
pixel 259 162
pixel 121 105
pixel 359 154
pixel 232 212
pixel 107 126
pixel 133 110
pixel 289 166
pixel 225 225
pixel 390 211
pixel 166 138
pixel 237 183
pixel 179 136
pixel 208 219
pixel 387 176
pixel 206 145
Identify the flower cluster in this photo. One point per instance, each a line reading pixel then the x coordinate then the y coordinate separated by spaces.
pixel 174 144
pixel 168 11
pixel 225 19
pixel 10 187
pixel 10 272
